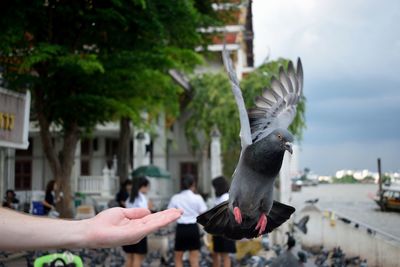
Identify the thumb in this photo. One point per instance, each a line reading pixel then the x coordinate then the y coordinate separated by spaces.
pixel 135 213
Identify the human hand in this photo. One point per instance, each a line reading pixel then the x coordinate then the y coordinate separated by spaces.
pixel 119 226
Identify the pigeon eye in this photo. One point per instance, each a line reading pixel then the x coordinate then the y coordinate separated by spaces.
pixel 280 136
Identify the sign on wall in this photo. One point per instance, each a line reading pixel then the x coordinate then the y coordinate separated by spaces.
pixel 14 119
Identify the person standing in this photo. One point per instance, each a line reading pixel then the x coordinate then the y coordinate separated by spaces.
pixel 187 236
pixel 135 253
pixel 221 246
pixel 123 194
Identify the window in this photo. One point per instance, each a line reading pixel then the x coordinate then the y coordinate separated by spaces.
pixel 86 153
pixel 23 175
pixel 85 147
pixel 23 167
pixel 85 167
pixel 396 195
pixel 111 150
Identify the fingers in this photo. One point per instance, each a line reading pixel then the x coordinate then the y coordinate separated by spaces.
pixel 136 213
pixel 157 220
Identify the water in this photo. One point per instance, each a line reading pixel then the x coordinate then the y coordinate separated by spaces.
pixel 352 200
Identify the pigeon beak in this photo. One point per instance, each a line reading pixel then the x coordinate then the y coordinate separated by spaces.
pixel 288 147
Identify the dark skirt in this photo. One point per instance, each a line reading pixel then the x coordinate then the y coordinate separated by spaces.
pixel 223 245
pixel 187 237
pixel 139 248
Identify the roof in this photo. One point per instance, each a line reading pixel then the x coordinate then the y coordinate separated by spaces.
pixel 392 188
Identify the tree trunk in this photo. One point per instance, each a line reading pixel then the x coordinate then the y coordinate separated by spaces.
pixel 61 167
pixel 123 149
pixel 71 138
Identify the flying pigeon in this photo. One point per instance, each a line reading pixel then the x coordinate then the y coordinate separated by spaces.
pixel 251 210
pixel 312 201
pixel 302 224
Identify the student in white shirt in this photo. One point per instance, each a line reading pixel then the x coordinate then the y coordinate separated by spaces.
pixel 135 253
pixel 222 246
pixel 187 236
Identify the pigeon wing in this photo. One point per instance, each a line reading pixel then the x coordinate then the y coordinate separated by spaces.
pixel 245 132
pixel 276 107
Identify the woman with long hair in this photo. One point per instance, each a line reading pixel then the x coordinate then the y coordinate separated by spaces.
pixel 222 246
pixel 123 193
pixel 135 253
pixel 187 235
pixel 50 200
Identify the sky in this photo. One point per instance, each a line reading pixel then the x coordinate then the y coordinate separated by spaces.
pixel 350 52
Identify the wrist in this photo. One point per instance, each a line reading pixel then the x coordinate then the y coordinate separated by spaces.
pixel 78 234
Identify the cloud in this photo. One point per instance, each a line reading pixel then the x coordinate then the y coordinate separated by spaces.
pixel 351 57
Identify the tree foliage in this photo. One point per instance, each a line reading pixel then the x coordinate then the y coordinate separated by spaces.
pixel 91 61
pixel 99 58
pixel 347 179
pixel 214 105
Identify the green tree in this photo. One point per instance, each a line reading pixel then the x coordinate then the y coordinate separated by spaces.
pixel 347 179
pixel 214 105
pixel 91 61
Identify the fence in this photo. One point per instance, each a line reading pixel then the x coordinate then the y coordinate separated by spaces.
pixel 105 185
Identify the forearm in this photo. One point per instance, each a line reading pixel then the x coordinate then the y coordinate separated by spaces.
pixel 46 204
pixel 19 231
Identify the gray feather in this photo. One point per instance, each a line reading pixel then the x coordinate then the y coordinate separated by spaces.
pixel 245 132
pixel 282 97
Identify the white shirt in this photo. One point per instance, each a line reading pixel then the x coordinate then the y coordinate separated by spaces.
pixel 140 202
pixel 191 204
pixel 221 198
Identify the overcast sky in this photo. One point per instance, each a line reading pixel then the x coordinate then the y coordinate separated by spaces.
pixel 351 58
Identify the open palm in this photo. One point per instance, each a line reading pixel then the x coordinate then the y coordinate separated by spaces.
pixel 119 226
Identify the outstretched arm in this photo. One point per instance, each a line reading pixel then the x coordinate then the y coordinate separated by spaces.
pixel 110 228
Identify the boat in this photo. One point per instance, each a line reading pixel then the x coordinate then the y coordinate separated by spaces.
pixel 388 198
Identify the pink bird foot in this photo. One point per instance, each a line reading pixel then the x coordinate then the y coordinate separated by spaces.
pixel 261 224
pixel 238 215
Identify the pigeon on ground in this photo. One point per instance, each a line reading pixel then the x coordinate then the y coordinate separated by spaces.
pixel 251 210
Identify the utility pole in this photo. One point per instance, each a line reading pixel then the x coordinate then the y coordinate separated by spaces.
pixel 380 185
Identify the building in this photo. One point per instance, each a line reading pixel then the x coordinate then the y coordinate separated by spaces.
pixel 14 122
pixel 168 148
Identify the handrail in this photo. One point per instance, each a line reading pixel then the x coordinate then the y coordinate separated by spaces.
pixel 96 184
pixel 364 225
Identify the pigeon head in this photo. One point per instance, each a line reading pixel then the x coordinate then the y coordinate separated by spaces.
pixel 282 139
pixel 266 155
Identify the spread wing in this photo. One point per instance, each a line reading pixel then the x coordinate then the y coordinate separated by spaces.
pixel 245 132
pixel 276 107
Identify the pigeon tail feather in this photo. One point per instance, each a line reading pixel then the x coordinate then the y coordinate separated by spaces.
pixel 220 221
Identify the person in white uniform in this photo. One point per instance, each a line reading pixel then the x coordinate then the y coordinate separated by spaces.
pixel 221 246
pixel 135 253
pixel 187 236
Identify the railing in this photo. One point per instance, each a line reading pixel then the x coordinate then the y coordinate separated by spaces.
pixel 90 184
pixel 105 185
pixel 366 226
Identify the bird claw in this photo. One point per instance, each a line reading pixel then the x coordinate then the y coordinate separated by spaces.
pixel 238 215
pixel 261 224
